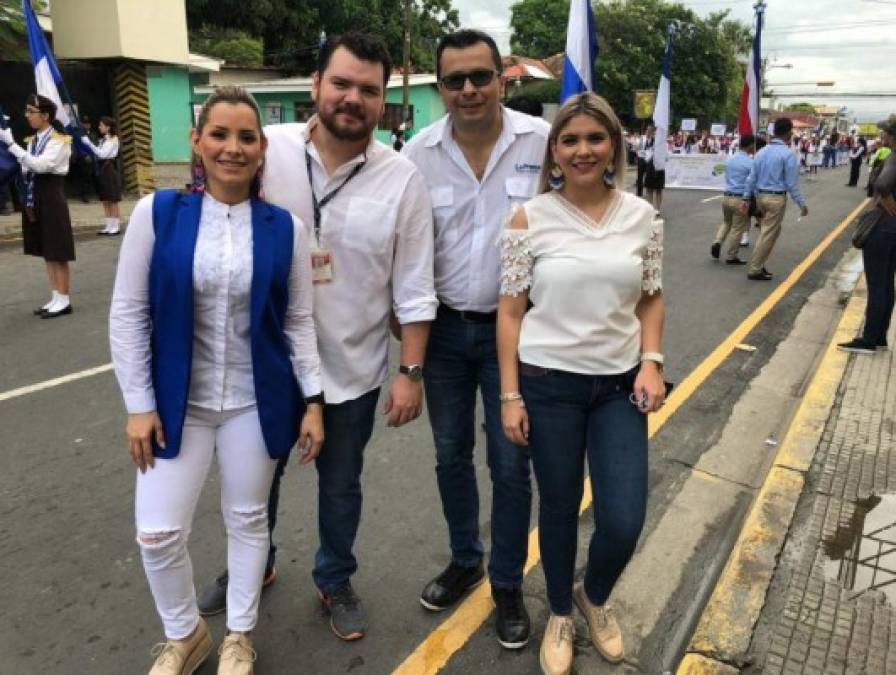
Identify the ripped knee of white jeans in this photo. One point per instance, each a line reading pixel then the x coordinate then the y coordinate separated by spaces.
pixel 161 548
pixel 248 519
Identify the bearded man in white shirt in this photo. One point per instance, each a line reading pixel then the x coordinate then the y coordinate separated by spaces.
pixel 480 162
pixel 369 221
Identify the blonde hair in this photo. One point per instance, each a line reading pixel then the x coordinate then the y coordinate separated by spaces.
pixel 597 108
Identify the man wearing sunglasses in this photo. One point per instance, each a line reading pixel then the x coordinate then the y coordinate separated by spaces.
pixel 480 162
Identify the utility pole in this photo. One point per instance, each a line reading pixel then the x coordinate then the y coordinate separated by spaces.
pixel 406 59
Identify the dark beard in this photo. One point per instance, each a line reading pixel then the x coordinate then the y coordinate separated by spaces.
pixel 340 132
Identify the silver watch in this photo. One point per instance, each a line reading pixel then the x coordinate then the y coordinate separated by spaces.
pixel 414 372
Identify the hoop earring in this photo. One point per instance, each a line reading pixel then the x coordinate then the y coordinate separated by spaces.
pixel 555 178
pixel 609 176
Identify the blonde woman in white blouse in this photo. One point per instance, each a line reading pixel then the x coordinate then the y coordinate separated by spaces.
pixel 582 368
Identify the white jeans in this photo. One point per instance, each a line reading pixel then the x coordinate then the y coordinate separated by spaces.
pixel 166 499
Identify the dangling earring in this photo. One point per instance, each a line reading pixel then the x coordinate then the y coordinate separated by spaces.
pixel 610 176
pixel 555 179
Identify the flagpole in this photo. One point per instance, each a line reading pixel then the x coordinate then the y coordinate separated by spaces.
pixel 759 7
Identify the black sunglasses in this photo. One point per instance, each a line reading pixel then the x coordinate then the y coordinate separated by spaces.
pixel 480 77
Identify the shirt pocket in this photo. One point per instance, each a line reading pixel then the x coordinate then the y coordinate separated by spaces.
pixel 519 191
pixel 442 198
pixel 369 226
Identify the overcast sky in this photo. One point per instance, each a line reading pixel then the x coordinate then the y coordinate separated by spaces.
pixel 857 55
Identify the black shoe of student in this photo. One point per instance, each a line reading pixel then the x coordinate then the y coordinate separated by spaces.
pixel 512 619
pixel 760 276
pixel 59 312
pixel 450 586
pixel 857 346
pixel 715 250
pixel 735 261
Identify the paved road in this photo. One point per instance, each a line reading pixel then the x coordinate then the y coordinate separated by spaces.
pixel 72 588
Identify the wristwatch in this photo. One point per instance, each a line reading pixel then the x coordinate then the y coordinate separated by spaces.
pixel 317 398
pixel 413 371
pixel 656 357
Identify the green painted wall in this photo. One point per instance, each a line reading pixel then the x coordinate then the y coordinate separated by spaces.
pixel 425 99
pixel 170 112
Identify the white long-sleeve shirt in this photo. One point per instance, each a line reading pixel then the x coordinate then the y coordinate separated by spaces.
pixel 222 375
pixel 379 231
pixel 469 214
pixel 107 149
pixel 54 158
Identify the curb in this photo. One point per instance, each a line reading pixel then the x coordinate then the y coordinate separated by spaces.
pixel 722 639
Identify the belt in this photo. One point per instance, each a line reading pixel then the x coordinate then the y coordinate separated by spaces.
pixel 468 316
pixel 772 192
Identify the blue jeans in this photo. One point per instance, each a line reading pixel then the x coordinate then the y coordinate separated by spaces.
pixel 461 357
pixel 879 257
pixel 347 428
pixel 571 416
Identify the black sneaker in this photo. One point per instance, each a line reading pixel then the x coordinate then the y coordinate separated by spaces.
pixel 735 261
pixel 213 598
pixel 450 586
pixel 512 620
pixel 857 346
pixel 715 250
pixel 347 616
pixel 760 276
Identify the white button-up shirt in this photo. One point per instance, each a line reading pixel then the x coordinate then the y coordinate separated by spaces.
pixel 469 214
pixel 222 374
pixel 54 158
pixel 379 231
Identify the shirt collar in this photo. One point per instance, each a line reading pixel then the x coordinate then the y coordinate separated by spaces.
pixel 776 141
pixel 514 125
pixel 214 207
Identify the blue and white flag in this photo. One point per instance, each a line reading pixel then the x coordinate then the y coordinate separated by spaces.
pixel 661 109
pixel 581 50
pixel 47 78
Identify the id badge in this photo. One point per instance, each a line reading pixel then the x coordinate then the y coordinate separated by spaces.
pixel 321 265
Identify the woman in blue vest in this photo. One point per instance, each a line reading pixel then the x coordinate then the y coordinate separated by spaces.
pixel 214 348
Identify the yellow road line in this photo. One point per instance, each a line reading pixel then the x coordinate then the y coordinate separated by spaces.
pixel 433 653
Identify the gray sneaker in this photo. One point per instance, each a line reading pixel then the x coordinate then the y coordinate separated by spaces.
pixel 347 616
pixel 213 598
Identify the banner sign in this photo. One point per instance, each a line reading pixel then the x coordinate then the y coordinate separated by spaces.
pixel 718 130
pixel 696 172
pixel 688 124
pixel 645 100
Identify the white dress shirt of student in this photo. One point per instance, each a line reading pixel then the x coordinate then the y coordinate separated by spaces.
pixel 214 347
pixel 480 161
pixel 369 219
pixel 582 368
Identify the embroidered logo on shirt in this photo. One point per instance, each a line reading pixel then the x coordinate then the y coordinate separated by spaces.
pixel 528 168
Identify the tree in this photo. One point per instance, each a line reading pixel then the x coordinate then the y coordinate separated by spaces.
pixel 538 27
pixel 800 107
pixel 290 29
pixel 706 77
pixel 235 47
pixel 13 36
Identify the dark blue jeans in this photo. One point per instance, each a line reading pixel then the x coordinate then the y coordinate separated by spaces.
pixel 460 358
pixel 571 416
pixel 347 428
pixel 879 256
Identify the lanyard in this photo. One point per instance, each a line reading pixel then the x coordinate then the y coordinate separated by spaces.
pixel 327 198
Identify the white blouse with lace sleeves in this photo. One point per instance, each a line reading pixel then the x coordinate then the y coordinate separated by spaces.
pixel 652 267
pixel 516 262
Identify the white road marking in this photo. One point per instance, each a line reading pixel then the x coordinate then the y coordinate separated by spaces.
pixel 48 384
pixel 709 199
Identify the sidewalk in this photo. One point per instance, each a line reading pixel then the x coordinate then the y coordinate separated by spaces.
pixel 808 589
pixel 88 218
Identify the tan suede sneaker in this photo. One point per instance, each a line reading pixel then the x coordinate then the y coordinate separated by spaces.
pixel 556 648
pixel 236 656
pixel 183 657
pixel 602 625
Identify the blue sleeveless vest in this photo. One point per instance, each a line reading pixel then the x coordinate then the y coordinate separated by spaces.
pixel 280 404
